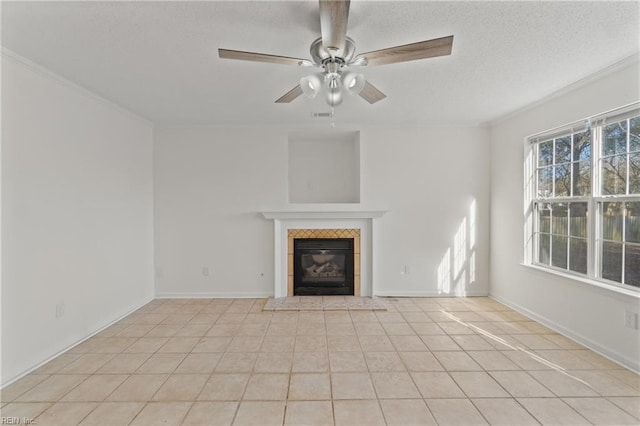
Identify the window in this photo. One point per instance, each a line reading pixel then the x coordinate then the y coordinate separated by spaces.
pixel 584 198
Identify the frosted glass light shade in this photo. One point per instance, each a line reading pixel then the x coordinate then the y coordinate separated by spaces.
pixel 311 85
pixel 353 82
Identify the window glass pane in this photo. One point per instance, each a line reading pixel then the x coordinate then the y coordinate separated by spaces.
pixel 563 149
pixel 543 248
pixel 545 153
pixel 634 134
pixel 578 215
pixel 559 251
pixel 632 225
pixel 614 138
pixel 582 146
pixel 581 178
pixel 578 255
pixel 559 222
pixel 544 224
pixel 545 181
pixel 632 265
pixel 634 173
pixel 563 180
pixel 614 175
pixel 612 221
pixel 612 261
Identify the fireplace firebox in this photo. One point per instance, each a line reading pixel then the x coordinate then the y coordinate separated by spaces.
pixel 323 266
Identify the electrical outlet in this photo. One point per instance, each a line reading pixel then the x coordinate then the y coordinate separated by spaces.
pixel 206 271
pixel 60 310
pixel 631 319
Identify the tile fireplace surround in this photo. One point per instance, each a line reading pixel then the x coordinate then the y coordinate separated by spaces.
pixel 359 225
pixel 293 234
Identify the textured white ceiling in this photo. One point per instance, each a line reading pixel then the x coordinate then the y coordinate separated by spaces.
pixel 159 59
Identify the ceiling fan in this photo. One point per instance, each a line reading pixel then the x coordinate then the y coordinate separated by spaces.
pixel 334 54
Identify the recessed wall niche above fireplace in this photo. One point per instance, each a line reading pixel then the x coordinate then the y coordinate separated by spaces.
pixel 324 167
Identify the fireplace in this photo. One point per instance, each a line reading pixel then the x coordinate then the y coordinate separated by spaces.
pixel 296 237
pixel 352 223
pixel 323 266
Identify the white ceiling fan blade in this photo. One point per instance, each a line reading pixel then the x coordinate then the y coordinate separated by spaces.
pixel 262 57
pixel 371 94
pixel 290 95
pixel 409 52
pixel 334 15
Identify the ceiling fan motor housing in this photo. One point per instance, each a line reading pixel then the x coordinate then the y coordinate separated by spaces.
pixel 319 54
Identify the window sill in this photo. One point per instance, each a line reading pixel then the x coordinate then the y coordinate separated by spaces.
pixel 613 288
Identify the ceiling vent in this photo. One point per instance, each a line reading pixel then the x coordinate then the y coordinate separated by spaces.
pixel 322 114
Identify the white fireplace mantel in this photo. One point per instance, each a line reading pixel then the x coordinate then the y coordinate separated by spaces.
pixel 324 219
pixel 342 214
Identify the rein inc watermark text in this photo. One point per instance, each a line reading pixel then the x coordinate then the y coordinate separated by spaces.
pixel 4 420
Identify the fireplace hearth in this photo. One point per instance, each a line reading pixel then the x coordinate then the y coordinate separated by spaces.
pixel 323 266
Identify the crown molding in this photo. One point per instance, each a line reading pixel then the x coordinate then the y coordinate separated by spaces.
pixel 7 54
pixel 624 63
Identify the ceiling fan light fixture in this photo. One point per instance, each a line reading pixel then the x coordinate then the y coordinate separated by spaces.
pixel 311 85
pixel 353 82
pixel 332 81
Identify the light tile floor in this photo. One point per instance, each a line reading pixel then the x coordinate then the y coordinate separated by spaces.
pixel 422 361
pixel 322 303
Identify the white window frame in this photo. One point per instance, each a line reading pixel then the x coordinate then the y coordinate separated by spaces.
pixel 594 200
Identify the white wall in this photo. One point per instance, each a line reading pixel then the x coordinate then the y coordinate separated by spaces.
pixel 211 182
pixel 430 179
pixel 209 185
pixel 589 314
pixel 77 214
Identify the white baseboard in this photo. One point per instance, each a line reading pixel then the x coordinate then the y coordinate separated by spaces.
pixel 618 358
pixel 117 317
pixel 214 295
pixel 425 294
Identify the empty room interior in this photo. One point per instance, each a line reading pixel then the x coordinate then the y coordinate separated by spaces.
pixel 320 212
